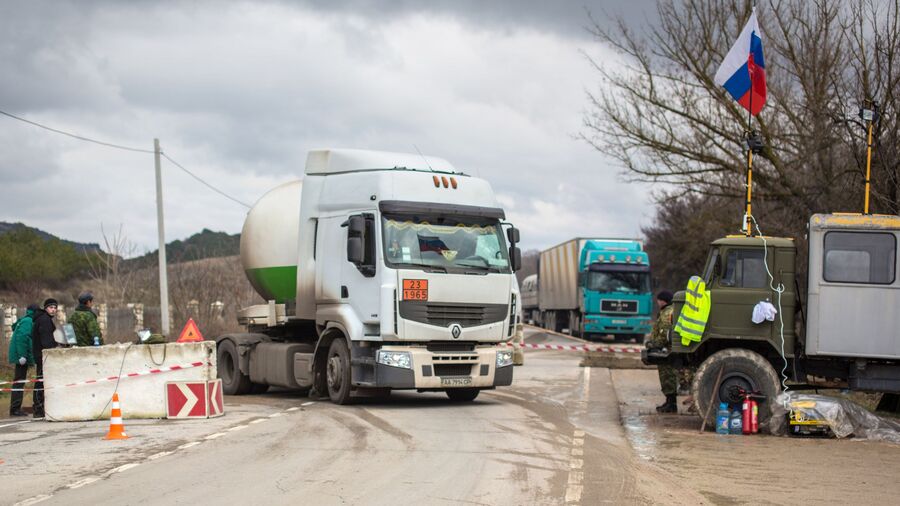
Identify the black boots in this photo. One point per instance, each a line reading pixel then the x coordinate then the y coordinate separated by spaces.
pixel 670 406
pixel 17 412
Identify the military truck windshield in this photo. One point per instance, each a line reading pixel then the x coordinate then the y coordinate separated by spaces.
pixel 444 243
pixel 623 282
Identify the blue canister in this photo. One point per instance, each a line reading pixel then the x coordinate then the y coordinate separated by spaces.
pixel 736 422
pixel 96 341
pixel 722 417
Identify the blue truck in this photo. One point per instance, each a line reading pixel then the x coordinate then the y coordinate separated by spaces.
pixel 596 288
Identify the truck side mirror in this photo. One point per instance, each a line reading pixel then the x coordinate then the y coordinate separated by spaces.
pixel 355 250
pixel 512 234
pixel 515 258
pixel 356 226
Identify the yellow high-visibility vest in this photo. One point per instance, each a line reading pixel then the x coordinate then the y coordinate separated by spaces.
pixel 692 321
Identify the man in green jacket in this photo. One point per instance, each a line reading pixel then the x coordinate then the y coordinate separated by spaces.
pixel 84 321
pixel 21 354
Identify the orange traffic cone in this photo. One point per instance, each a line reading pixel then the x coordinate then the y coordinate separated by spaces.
pixel 116 427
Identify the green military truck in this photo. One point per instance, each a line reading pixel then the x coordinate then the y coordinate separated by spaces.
pixel 844 330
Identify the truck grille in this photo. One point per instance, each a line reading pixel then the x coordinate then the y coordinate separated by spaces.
pixel 444 314
pixel 618 306
pixel 452 369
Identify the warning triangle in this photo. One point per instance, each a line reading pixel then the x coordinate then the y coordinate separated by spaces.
pixel 190 333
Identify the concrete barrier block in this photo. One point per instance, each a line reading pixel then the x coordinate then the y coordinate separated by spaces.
pixel 140 397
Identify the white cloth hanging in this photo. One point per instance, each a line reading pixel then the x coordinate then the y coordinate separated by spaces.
pixel 764 311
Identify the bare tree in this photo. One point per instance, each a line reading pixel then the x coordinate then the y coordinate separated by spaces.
pixel 107 266
pixel 660 113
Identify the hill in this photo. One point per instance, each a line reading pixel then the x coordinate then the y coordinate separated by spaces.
pixel 6 228
pixel 206 244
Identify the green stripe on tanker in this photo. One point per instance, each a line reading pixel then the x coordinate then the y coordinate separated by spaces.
pixel 274 283
pixel 270 243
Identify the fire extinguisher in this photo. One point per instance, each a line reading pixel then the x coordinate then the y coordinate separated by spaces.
pixel 747 415
pixel 754 416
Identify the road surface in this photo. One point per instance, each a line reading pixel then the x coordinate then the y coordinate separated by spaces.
pixel 554 437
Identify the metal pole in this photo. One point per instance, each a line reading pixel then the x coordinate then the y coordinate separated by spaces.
pixel 163 277
pixel 868 166
pixel 748 224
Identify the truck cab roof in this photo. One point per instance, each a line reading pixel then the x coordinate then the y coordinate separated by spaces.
pixel 340 161
pixel 742 240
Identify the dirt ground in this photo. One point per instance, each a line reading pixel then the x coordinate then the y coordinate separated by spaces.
pixel 757 469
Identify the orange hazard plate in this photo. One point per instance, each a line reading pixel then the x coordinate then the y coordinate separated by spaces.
pixel 415 289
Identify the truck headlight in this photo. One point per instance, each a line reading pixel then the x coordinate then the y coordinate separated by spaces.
pixel 399 359
pixel 504 358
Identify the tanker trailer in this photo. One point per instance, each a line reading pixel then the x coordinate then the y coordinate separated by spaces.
pixel 381 271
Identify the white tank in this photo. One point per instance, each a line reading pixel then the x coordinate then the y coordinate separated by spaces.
pixel 270 243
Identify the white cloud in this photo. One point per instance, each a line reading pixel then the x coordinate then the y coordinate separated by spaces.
pixel 239 92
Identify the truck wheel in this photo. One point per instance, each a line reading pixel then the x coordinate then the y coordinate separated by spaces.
pixel 337 372
pixel 234 382
pixel 463 394
pixel 741 369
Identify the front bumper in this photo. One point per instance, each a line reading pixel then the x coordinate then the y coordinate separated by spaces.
pixel 600 324
pixel 442 370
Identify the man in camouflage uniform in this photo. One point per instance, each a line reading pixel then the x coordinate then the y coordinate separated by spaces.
pixel 659 338
pixel 84 321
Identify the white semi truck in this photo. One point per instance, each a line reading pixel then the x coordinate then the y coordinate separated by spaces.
pixel 382 271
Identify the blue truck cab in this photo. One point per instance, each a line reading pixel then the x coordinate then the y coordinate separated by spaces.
pixel 615 285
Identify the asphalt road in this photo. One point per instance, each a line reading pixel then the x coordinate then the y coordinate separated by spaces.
pixel 554 437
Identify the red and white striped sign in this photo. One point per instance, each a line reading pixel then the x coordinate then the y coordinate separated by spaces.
pixel 194 399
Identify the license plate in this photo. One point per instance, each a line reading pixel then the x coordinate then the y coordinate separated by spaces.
pixel 456 382
pixel 619 322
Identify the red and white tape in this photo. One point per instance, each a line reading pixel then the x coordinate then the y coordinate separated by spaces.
pixel 108 378
pixel 573 347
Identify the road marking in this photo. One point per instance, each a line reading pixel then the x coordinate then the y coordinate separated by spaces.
pixel 185 446
pixel 237 428
pixel 573 493
pixel 578 433
pixel 123 468
pixel 276 415
pixel 310 403
pixel 586 388
pixel 81 483
pixel 260 420
pixel 577 452
pixel 159 455
pixel 214 436
pixel 34 500
pixel 578 442
pixel 15 423
pixel 292 409
pixel 576 464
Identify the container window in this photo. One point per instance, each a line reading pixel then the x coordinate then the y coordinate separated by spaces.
pixel 860 257
pixel 745 268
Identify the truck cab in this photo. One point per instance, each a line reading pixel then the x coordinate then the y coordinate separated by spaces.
pixel 615 285
pixel 382 271
pixel 843 333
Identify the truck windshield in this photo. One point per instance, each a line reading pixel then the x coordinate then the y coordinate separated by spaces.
pixel 444 243
pixel 625 282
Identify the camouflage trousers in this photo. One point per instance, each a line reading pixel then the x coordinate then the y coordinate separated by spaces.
pixel 673 380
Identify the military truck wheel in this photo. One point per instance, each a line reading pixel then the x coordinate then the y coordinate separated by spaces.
pixel 741 369
pixel 462 394
pixel 234 382
pixel 337 372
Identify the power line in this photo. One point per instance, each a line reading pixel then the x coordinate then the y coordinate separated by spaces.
pixel 75 136
pixel 211 187
pixel 126 148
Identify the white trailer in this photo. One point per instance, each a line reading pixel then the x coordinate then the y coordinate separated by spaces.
pixel 382 271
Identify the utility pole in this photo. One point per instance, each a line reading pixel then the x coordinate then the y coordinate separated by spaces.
pixel 163 277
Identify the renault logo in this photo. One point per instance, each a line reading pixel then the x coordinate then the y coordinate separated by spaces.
pixel 455 330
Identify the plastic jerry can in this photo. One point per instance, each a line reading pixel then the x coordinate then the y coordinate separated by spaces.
pixel 736 422
pixel 722 416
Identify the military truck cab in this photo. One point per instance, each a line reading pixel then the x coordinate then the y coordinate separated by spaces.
pixel 842 332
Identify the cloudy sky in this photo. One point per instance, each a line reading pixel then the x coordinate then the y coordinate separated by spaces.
pixel 238 92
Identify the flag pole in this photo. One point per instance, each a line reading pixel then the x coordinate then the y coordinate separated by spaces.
pixel 748 230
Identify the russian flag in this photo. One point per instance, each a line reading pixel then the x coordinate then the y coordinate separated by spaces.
pixel 743 72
